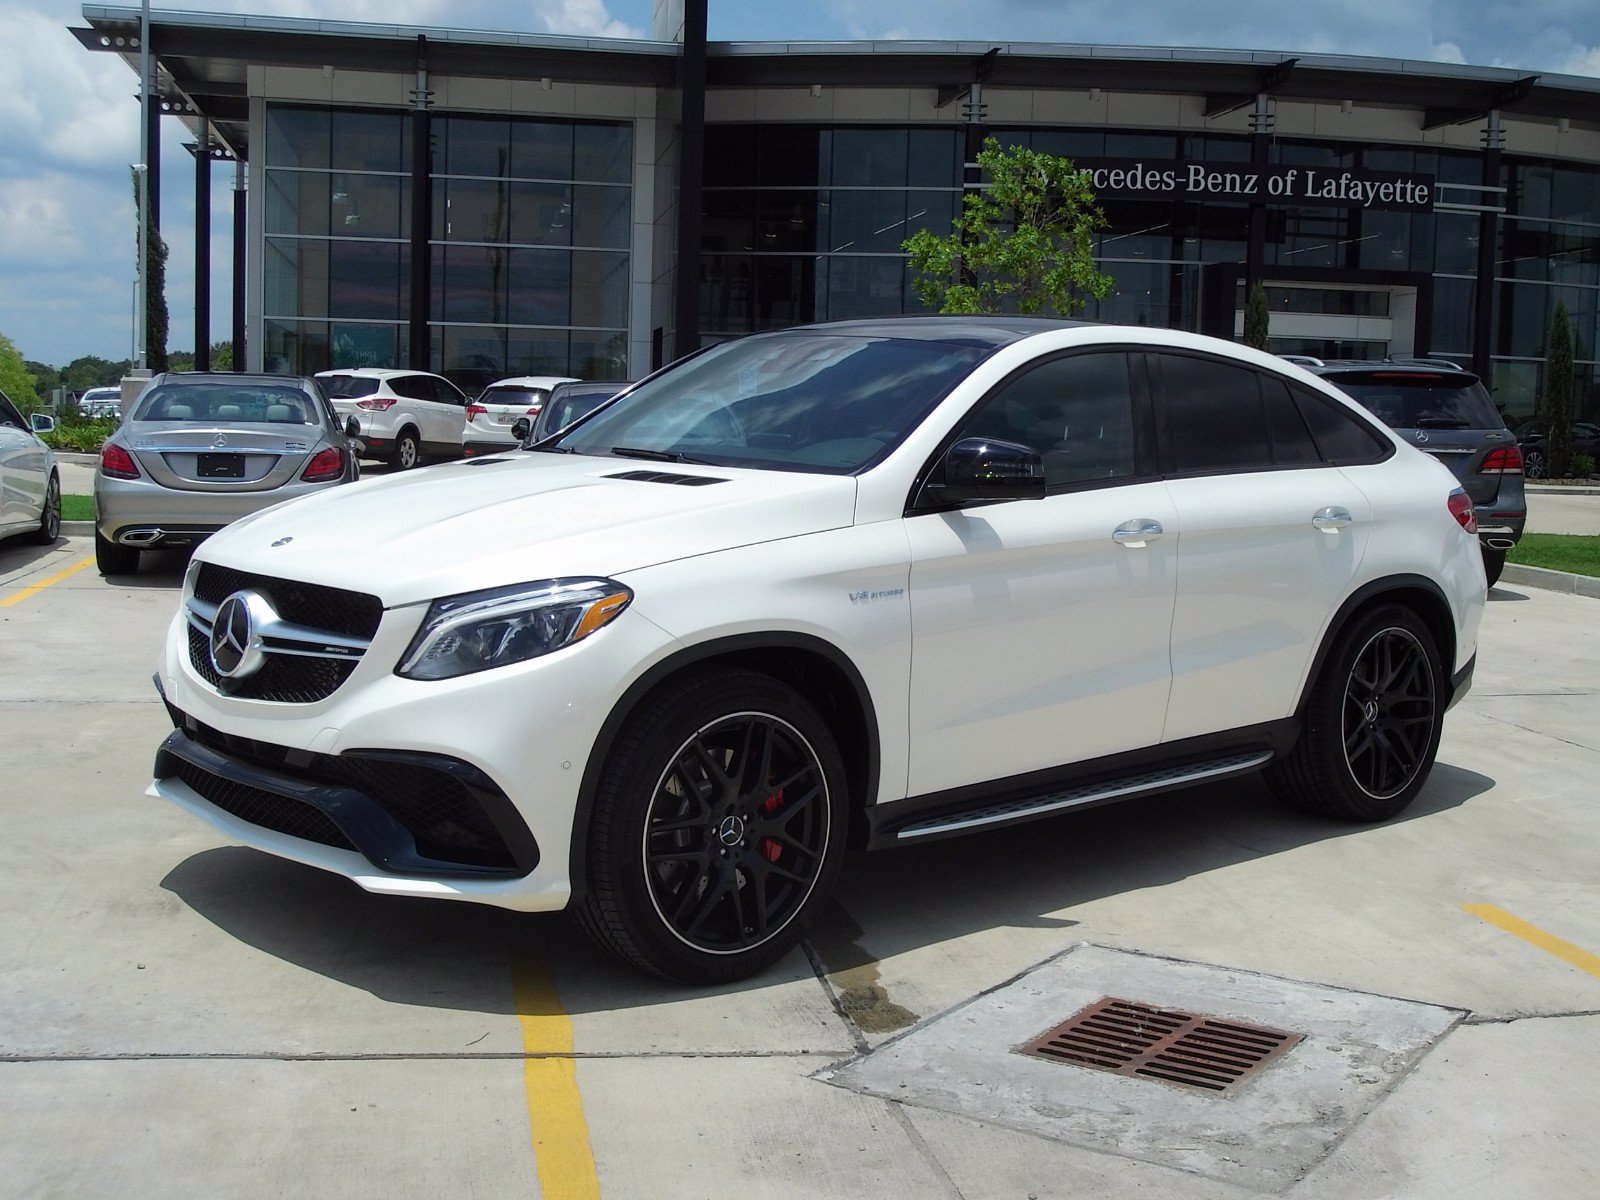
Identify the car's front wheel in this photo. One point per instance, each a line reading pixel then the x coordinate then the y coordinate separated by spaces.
pixel 717 828
pixel 1372 722
pixel 1535 464
pixel 50 517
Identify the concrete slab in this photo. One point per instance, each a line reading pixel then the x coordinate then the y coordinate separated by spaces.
pixel 1265 1135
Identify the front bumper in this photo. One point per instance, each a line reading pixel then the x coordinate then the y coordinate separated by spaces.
pixel 507 748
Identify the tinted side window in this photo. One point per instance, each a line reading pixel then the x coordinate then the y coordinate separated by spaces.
pixel 1209 414
pixel 9 415
pixel 1077 412
pixel 1340 437
pixel 412 387
pixel 1292 444
pixel 446 392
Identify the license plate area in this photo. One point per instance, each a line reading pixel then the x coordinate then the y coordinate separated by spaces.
pixel 221 466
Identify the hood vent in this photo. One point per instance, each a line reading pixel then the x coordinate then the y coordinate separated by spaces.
pixel 667 477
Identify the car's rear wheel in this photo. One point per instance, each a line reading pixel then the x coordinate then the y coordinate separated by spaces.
pixel 717 829
pixel 1494 562
pixel 1372 722
pixel 113 558
pixel 407 451
pixel 1535 465
pixel 50 518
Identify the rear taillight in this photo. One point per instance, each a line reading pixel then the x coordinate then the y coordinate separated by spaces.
pixel 476 410
pixel 1506 460
pixel 324 464
pixel 534 411
pixel 117 463
pixel 1461 509
pixel 376 404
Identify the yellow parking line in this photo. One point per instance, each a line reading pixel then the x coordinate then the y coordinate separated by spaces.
pixel 555 1107
pixel 1565 951
pixel 44 583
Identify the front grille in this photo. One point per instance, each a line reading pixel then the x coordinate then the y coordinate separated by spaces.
pixel 266 809
pixel 285 678
pixel 355 614
pixel 438 800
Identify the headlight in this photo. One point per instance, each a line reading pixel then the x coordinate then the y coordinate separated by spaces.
pixel 479 630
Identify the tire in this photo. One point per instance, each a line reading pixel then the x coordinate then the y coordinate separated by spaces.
pixel 1494 562
pixel 1372 723
pixel 50 519
pixel 700 869
pixel 1535 464
pixel 113 558
pixel 407 452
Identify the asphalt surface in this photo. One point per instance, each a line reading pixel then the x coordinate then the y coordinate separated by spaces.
pixel 184 1018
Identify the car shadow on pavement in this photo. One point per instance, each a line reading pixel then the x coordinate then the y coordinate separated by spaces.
pixel 440 954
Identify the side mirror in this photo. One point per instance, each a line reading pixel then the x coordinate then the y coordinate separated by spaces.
pixel 521 429
pixel 980 469
pixel 41 422
pixel 352 427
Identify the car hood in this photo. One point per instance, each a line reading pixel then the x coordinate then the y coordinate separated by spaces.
pixel 459 527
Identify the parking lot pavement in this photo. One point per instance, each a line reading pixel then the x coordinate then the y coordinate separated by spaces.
pixel 1552 513
pixel 183 1017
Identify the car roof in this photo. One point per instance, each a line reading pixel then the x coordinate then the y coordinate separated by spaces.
pixel 374 372
pixel 213 378
pixel 988 331
pixel 1395 366
pixel 539 381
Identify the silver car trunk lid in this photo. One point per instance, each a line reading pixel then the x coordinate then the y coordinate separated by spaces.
pixel 229 458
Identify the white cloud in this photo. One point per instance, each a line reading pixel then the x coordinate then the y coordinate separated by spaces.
pixel 1583 60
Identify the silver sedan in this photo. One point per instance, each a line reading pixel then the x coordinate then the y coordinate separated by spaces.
pixel 198 451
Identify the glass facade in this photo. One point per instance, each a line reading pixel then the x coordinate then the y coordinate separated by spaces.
pixel 529 258
pixel 804 223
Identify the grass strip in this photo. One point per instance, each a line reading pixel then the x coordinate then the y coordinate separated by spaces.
pixel 77 508
pixel 1573 553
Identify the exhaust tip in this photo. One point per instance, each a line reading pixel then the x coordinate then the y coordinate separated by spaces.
pixel 1499 543
pixel 140 537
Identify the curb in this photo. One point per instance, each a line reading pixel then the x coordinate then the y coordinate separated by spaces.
pixel 1545 489
pixel 1553 581
pixel 76 459
pixel 79 527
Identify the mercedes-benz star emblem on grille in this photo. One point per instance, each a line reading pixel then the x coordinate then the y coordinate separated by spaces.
pixel 236 650
pixel 222 440
pixel 1420 436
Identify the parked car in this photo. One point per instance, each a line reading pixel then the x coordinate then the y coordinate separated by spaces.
pixel 101 403
pixel 200 450
pixel 30 485
pixel 1533 436
pixel 500 406
pixel 567 403
pixel 403 416
pixel 870 583
pixel 1445 411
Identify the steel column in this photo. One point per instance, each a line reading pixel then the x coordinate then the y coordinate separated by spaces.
pixel 202 249
pixel 1488 252
pixel 240 239
pixel 421 213
pixel 691 176
pixel 1260 152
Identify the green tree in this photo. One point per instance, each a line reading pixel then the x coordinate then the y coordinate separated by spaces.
pixel 222 356
pixel 46 379
pixel 1255 319
pixel 1022 244
pixel 1556 407
pixel 155 308
pixel 89 371
pixel 15 381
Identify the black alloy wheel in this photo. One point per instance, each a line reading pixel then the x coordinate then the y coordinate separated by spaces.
pixel 50 516
pixel 1389 703
pixel 717 828
pixel 737 832
pixel 1535 464
pixel 1371 721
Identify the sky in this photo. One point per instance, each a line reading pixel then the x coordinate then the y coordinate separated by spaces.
pixel 69 119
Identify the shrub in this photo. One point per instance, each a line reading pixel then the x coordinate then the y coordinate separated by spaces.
pixel 1583 465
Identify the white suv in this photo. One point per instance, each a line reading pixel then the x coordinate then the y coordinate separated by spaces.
pixel 868 584
pixel 403 416
pixel 500 406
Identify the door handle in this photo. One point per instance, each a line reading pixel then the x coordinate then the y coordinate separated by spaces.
pixel 1331 518
pixel 1135 533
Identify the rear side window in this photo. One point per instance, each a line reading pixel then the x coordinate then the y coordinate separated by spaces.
pixel 348 387
pixel 1342 439
pixel 412 387
pixel 1415 400
pixel 1292 443
pixel 1209 414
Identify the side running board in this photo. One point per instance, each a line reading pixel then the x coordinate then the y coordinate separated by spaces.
pixel 1092 793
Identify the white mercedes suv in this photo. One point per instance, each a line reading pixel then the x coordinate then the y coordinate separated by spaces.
pixel 860 584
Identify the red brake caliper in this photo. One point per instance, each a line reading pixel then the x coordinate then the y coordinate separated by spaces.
pixel 769 806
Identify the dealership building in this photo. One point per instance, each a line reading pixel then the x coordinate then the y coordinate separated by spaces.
pixel 489 204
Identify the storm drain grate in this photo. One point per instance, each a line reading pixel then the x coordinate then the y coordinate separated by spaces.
pixel 1188 1049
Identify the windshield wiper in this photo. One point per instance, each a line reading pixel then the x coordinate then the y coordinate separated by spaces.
pixel 671 456
pixel 550 449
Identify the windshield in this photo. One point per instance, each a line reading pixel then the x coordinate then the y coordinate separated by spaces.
pixel 347 387
pixel 796 401
pixel 258 404
pixel 1411 400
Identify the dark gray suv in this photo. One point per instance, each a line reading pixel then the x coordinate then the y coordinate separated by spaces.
pixel 1439 408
